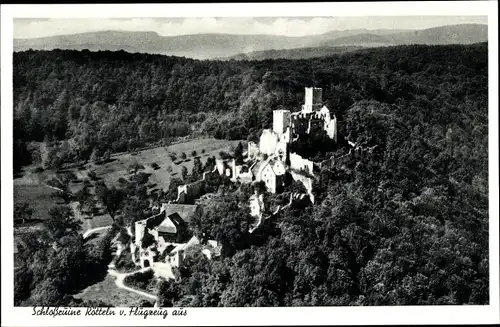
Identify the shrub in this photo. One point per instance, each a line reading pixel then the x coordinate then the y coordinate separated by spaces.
pixel 155 166
pixel 122 181
pixel 224 155
pixel 38 169
pixel 147 240
pixel 141 280
pixel 92 175
pixel 146 304
pixel 124 263
pixel 194 153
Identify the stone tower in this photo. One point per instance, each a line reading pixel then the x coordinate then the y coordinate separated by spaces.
pixel 281 121
pixel 313 99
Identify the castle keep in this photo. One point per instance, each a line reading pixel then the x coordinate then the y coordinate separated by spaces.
pixel 288 126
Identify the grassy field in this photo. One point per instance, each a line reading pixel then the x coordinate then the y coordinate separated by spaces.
pixel 30 187
pixel 38 196
pixel 109 293
pixel 119 167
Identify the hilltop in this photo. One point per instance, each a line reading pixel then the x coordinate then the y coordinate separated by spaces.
pixel 208 46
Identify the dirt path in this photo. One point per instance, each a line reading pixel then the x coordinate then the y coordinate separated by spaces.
pixel 120 277
pixel 94 230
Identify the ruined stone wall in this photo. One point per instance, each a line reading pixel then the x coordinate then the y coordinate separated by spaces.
pixel 140 228
pixel 253 150
pixel 187 193
pixel 306 181
pixel 299 163
pixel 331 129
pixel 300 124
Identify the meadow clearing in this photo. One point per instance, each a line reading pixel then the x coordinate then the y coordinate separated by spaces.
pixel 31 187
pixel 107 292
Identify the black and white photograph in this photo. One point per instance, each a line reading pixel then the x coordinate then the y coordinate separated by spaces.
pixel 321 160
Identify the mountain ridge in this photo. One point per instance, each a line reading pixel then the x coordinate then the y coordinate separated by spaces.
pixel 213 45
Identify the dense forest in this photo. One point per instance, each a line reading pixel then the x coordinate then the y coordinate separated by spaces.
pixel 403 221
pixel 96 103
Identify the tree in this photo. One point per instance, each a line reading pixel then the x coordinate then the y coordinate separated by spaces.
pixel 224 220
pixel 135 167
pixel 194 153
pixel 224 155
pixel 96 156
pixel 22 212
pixel 23 279
pixel 86 201
pixel 112 198
pixel 184 173
pixel 171 193
pixel 124 237
pixel 92 175
pixel 197 171
pixel 173 156
pixel 147 240
pixel 183 156
pixel 209 164
pixel 134 209
pixel 106 156
pixel 168 293
pixel 61 222
pixel 60 182
pixel 238 154
pixel 21 155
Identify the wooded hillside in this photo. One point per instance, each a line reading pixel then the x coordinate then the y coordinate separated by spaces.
pixel 403 223
pixel 116 101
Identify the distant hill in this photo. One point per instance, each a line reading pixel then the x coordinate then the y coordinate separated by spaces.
pixel 200 46
pixel 333 42
pixel 208 46
pixel 297 53
pixel 453 34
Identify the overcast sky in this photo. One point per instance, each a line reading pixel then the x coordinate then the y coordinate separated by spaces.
pixel 289 26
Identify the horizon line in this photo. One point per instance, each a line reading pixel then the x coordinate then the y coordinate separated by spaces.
pixel 243 34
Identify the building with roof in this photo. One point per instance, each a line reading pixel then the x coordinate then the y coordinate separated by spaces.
pixel 272 173
pixel 168 227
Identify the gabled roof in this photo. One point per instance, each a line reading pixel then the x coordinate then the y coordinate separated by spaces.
pixel 255 169
pixel 176 219
pixel 167 226
pixel 185 211
pixel 155 220
pixel 171 216
pixel 183 247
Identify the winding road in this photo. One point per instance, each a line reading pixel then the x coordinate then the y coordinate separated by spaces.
pixel 94 230
pixel 120 277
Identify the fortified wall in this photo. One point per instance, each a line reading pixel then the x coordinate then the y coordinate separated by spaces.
pixel 187 193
